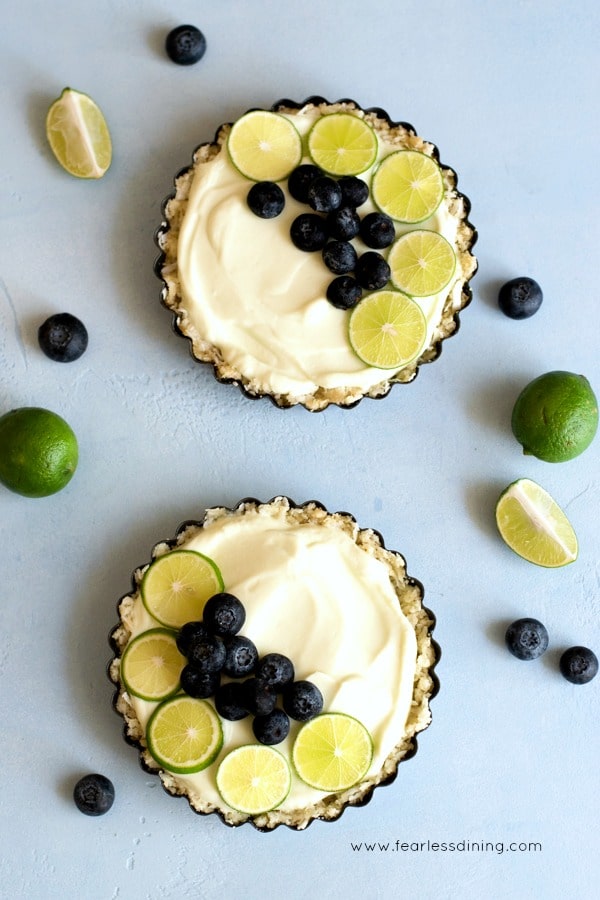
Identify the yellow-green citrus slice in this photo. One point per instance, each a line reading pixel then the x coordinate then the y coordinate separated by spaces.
pixel 176 586
pixel 184 735
pixel 422 263
pixel 332 752
pixel 387 329
pixel 342 144
pixel 151 665
pixel 264 146
pixel 534 526
pixel 408 186
pixel 254 779
pixel 78 135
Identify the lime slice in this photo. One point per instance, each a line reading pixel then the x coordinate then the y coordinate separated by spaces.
pixel 421 262
pixel 534 525
pixel 78 135
pixel 264 146
pixel 254 779
pixel 387 329
pixel 176 586
pixel 408 186
pixel 151 665
pixel 332 752
pixel 184 735
pixel 342 144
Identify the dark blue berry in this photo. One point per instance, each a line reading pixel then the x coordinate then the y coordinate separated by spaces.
pixel 377 230
pixel 520 298
pixel 230 701
pixel 259 698
pixel 324 194
pixel 272 728
pixel 579 665
pixel 207 653
pixel 302 700
pixel 185 45
pixel 275 670
pixel 339 257
pixel 63 337
pixel 372 271
pixel 301 179
pixel 355 191
pixel 526 638
pixel 191 631
pixel 308 232
pixel 224 614
pixel 94 794
pixel 241 657
pixel 266 199
pixel 197 683
pixel 343 224
pixel 344 292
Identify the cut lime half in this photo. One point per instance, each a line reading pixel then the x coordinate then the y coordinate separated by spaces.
pixel 254 779
pixel 408 186
pixel 387 329
pixel 184 735
pixel 78 135
pixel 151 665
pixel 534 526
pixel 422 263
pixel 264 146
pixel 176 586
pixel 342 144
pixel 332 752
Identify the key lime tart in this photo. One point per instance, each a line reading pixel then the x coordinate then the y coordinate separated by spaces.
pixel 316 253
pixel 273 663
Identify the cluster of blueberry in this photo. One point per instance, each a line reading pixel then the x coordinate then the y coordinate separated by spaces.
pixel 331 227
pixel 213 647
pixel 528 638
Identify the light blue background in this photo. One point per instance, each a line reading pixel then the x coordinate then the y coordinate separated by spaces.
pixel 509 93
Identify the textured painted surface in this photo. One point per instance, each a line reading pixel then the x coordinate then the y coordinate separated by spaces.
pixel 508 92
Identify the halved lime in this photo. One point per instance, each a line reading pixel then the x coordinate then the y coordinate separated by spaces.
pixel 387 329
pixel 408 186
pixel 151 665
pixel 184 735
pixel 264 146
pixel 254 779
pixel 342 144
pixel 78 135
pixel 176 586
pixel 422 263
pixel 534 526
pixel 332 752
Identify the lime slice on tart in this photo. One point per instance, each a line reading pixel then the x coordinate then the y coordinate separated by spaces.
pixel 534 526
pixel 151 665
pixel 387 329
pixel 422 263
pixel 254 779
pixel 332 752
pixel 78 135
pixel 184 735
pixel 342 144
pixel 176 586
pixel 408 186
pixel 264 146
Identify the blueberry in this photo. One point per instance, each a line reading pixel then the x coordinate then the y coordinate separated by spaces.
pixel 266 199
pixel 272 728
pixel 259 698
pixel 526 638
pixel 275 670
pixel 94 794
pixel 520 298
pixel 224 614
pixel 302 700
pixel 344 292
pixel 197 683
pixel 579 665
pixel 63 337
pixel 355 191
pixel 343 224
pixel 377 230
pixel 188 633
pixel 301 179
pixel 324 194
pixel 185 45
pixel 372 271
pixel 241 657
pixel 308 232
pixel 339 257
pixel 229 701
pixel 207 653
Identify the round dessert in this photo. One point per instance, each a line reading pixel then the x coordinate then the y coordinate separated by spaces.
pixel 286 223
pixel 274 663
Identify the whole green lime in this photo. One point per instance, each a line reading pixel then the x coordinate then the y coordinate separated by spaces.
pixel 555 416
pixel 38 451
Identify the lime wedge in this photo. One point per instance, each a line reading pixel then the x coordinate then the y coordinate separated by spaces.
pixel 387 329
pixel 254 779
pixel 184 735
pixel 421 262
pixel 342 144
pixel 176 586
pixel 332 752
pixel 151 665
pixel 408 186
pixel 78 135
pixel 264 146
pixel 534 525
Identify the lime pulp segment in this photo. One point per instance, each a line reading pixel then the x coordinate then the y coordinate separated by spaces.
pixel 408 186
pixel 254 779
pixel 151 665
pixel 78 135
pixel 332 752
pixel 387 329
pixel 264 146
pixel 342 144
pixel 184 735
pixel 176 586
pixel 422 263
